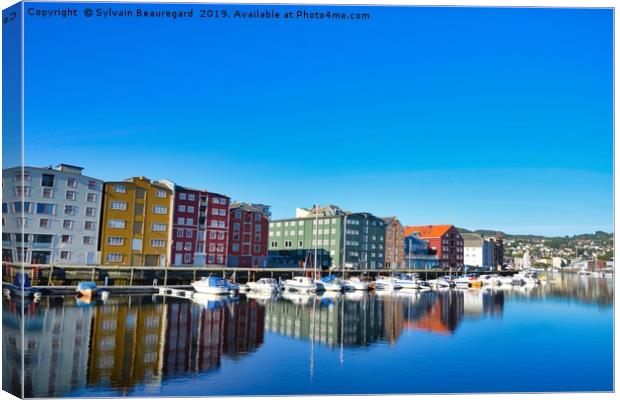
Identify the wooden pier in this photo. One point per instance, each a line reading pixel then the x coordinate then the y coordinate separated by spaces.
pixel 129 278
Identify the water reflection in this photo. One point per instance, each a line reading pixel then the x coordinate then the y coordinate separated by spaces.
pixel 143 340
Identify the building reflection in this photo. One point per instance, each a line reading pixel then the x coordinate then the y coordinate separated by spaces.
pixel 372 318
pixel 122 343
pixel 55 348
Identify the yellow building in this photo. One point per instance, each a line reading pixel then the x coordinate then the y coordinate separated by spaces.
pixel 136 224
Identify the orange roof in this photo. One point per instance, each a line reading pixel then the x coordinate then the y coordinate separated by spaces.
pixel 428 231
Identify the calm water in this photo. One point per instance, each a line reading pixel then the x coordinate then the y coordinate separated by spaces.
pixel 557 337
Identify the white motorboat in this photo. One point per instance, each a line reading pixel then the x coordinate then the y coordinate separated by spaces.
pixel 211 285
pixel 463 282
pixel 424 285
pixel 387 284
pixel 356 284
pixel 489 280
pixel 505 280
pixel 244 287
pixel 408 281
pixel 267 285
pixel 301 284
pixel 331 284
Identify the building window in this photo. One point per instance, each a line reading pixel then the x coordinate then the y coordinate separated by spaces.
pixel 220 259
pixel 89 225
pixel 256 248
pixel 65 239
pixel 160 209
pixel 161 194
pixel 212 235
pixel 158 227
pixel 116 223
pixel 65 255
pixel 45 208
pixel 180 221
pixel 87 240
pixel 187 258
pixel 47 180
pixel 221 235
pixel 116 241
pixel 181 208
pixel 191 197
pixel 190 209
pixel 92 185
pixel 67 224
pixel 70 195
pixel 44 223
pixel 157 242
pixel 188 246
pixel 190 221
pixel 120 189
pixel 235 247
pixel 71 182
pixel 118 205
pixel 179 246
pixel 220 248
pixel 212 247
pixel 70 210
pixel 180 233
pixel 91 197
pixel 189 233
pixel 90 211
pixel 22 191
pixel 48 193
pixel 211 258
pixel 114 257
pixel 182 196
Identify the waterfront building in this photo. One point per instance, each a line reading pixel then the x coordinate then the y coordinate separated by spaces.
pixel 292 241
pixel 498 240
pixel 445 240
pixel 199 226
pixel 418 254
pixel 394 243
pixel 478 251
pixel 248 235
pixel 136 223
pixel 50 215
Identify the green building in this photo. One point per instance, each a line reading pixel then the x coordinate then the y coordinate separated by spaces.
pixel 292 241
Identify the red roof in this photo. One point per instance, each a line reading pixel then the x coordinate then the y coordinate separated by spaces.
pixel 428 231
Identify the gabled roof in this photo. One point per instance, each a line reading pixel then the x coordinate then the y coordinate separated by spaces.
pixel 428 231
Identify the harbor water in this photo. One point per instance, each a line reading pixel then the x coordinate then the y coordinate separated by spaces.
pixel 553 337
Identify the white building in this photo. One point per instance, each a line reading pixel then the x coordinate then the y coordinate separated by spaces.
pixel 478 252
pixel 59 218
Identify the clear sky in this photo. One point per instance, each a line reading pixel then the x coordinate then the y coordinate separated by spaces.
pixel 483 118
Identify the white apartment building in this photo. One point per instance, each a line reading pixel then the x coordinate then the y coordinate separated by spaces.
pixel 478 252
pixel 58 221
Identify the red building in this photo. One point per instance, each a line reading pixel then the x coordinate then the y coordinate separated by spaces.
pixel 248 233
pixel 200 227
pixel 445 240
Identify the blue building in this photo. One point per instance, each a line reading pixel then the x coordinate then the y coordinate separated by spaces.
pixel 418 254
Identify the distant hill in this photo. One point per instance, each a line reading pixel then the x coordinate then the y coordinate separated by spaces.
pixel 587 236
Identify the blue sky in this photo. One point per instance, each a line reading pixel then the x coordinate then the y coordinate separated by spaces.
pixel 484 118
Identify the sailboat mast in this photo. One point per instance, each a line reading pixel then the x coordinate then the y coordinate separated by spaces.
pixel 316 237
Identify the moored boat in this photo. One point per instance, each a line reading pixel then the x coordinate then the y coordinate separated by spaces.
pixel 301 284
pixel 87 289
pixel 356 283
pixel 267 285
pixel 332 284
pixel 408 281
pixel 386 284
pixel 211 285
pixel 21 286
